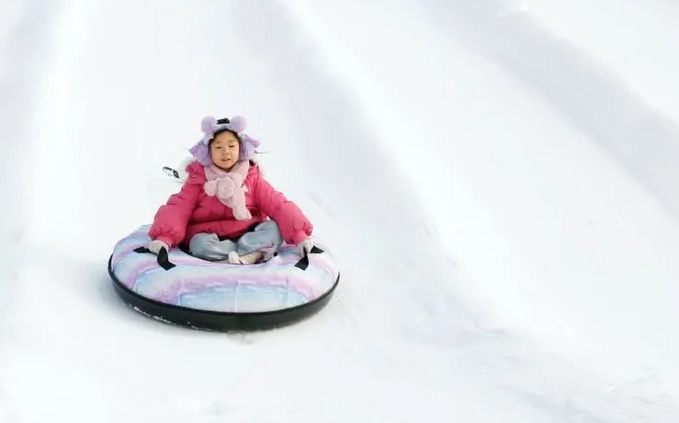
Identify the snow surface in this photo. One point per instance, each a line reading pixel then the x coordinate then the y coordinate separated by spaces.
pixel 497 179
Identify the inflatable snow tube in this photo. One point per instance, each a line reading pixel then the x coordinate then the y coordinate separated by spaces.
pixel 178 288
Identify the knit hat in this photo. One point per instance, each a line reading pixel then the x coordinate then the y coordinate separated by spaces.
pixel 210 126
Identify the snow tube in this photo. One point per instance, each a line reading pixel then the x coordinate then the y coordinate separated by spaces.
pixel 178 288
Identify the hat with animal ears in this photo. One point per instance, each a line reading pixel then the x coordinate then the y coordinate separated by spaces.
pixel 210 126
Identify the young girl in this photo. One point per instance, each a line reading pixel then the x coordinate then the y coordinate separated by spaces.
pixel 226 210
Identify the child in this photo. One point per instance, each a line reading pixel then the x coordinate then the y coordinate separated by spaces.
pixel 222 211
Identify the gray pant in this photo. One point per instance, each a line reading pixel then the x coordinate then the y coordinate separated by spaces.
pixel 266 237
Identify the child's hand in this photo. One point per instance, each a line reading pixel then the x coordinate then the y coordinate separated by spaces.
pixel 156 245
pixel 305 246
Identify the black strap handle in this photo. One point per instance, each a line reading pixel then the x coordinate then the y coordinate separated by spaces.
pixel 163 257
pixel 303 263
pixel 165 263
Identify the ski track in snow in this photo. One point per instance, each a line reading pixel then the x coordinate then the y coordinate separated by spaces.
pixel 400 342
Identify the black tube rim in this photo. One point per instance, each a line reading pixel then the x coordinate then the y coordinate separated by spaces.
pixel 220 320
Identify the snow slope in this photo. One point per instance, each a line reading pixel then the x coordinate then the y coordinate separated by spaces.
pixel 505 255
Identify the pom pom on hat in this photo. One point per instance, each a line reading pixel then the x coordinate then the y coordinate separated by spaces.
pixel 238 124
pixel 208 124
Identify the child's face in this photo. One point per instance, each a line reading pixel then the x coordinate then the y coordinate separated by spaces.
pixel 225 150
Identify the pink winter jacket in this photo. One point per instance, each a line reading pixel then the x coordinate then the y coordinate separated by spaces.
pixel 191 211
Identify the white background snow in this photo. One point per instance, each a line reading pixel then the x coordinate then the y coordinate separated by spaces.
pixel 499 182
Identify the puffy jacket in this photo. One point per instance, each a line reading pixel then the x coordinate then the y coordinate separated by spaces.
pixel 191 211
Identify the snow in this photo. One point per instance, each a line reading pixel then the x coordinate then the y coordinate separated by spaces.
pixel 497 180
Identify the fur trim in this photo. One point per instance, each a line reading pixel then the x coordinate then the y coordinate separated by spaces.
pixel 260 166
pixel 185 163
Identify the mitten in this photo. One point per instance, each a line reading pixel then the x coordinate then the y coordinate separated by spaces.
pixel 156 245
pixel 305 246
